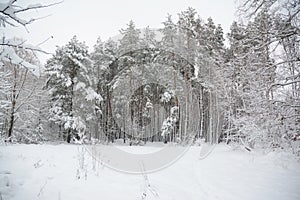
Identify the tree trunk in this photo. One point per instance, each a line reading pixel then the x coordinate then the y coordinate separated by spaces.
pixel 11 121
pixel 13 105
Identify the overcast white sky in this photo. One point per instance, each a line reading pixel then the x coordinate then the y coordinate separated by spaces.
pixel 89 19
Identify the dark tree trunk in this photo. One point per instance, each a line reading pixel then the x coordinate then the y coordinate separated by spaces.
pixel 12 119
pixel 13 105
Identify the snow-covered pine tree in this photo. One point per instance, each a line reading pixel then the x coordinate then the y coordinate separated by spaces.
pixel 185 47
pixel 103 56
pixel 169 34
pixel 252 74
pixel 130 38
pixel 234 73
pixel 148 39
pixel 129 43
pixel 71 89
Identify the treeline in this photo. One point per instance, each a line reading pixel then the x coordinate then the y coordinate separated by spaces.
pixel 246 91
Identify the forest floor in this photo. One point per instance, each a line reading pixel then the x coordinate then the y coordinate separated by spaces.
pixel 55 172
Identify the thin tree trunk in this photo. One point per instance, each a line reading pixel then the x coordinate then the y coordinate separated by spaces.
pixel 13 105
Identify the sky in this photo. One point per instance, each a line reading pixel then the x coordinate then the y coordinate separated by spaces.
pixel 89 19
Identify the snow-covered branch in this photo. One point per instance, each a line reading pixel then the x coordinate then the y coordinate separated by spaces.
pixel 21 45
pixel 9 13
pixel 8 54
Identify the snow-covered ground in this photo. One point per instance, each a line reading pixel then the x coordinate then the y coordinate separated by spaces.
pixel 68 172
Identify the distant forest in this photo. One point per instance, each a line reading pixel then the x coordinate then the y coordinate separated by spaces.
pixel 176 84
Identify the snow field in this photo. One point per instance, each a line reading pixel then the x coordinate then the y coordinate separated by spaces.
pixel 68 172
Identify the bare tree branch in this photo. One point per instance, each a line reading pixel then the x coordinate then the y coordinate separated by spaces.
pixel 37 6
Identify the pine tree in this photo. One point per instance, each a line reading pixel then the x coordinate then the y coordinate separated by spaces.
pixel 148 40
pixel 252 74
pixel 70 87
pixel 104 56
pixel 169 33
pixel 130 38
